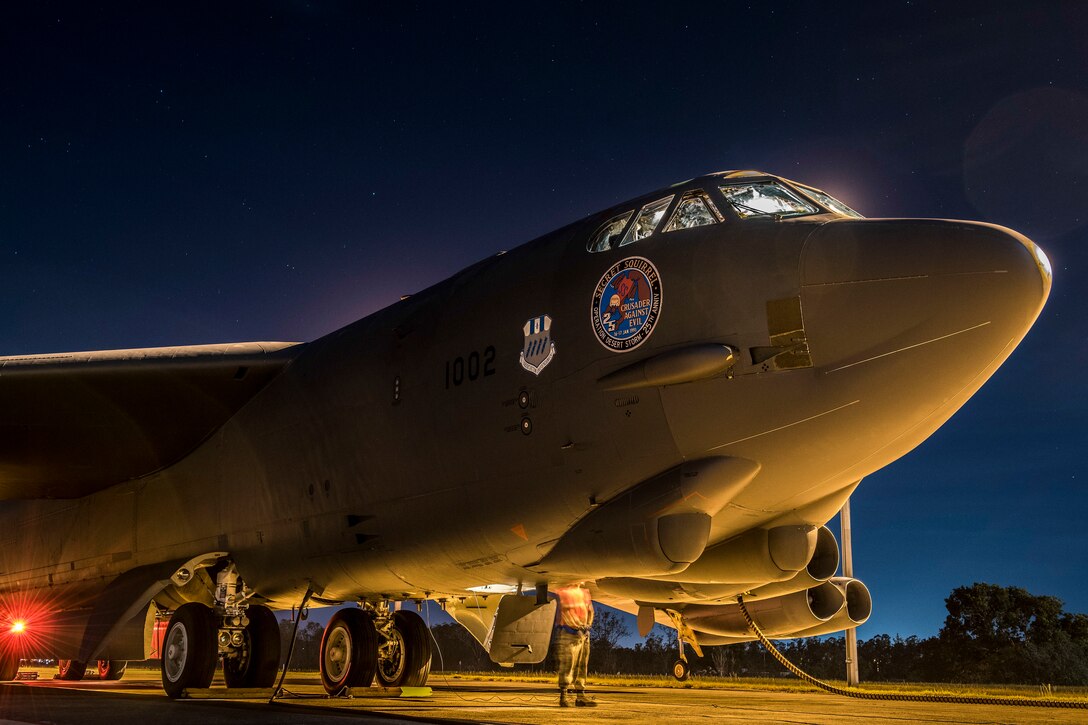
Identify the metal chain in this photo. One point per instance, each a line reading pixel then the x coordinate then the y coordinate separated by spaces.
pixel 861 695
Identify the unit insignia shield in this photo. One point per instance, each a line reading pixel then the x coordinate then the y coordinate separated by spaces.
pixel 626 304
pixel 539 349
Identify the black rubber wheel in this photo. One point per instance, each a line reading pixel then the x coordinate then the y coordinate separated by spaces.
pixel 71 670
pixel 258 660
pixel 111 669
pixel 680 670
pixel 407 659
pixel 189 649
pixel 349 651
pixel 9 664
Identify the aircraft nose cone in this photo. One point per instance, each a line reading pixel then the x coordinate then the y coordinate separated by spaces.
pixel 920 294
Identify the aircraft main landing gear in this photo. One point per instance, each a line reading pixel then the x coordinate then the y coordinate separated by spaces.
pixel 349 651
pixel 189 653
pixel 111 669
pixel 71 670
pixel 404 655
pixel 359 644
pixel 255 662
pixel 245 635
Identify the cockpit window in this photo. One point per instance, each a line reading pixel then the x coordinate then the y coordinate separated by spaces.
pixel 765 198
pixel 602 240
pixel 694 210
pixel 831 202
pixel 647 221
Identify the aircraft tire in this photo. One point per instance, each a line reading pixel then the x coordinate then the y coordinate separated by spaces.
pixel 111 669
pixel 680 670
pixel 9 665
pixel 71 670
pixel 349 651
pixel 189 650
pixel 410 660
pixel 259 661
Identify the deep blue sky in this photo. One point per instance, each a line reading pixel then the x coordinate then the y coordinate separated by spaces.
pixel 234 171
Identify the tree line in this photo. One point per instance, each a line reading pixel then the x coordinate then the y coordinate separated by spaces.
pixel 992 634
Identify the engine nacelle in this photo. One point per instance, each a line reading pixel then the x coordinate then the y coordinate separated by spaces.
pixel 821 567
pixel 858 608
pixel 758 555
pixel 777 616
pixel 658 527
pixel 721 572
pixel 666 593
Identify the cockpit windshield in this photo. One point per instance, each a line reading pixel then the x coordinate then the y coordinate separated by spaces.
pixel 765 199
pixel 830 202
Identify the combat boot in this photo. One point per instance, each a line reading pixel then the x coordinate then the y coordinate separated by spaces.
pixel 564 699
pixel 584 700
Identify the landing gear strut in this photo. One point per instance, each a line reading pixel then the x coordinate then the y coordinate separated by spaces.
pixel 681 670
pixel 404 654
pixel 254 663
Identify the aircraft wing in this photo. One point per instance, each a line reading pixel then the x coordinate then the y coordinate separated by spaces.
pixel 74 423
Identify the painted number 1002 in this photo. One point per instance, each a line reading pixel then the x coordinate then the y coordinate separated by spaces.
pixel 473 367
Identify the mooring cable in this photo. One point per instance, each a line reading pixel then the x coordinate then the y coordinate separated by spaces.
pixel 862 695
pixel 291 647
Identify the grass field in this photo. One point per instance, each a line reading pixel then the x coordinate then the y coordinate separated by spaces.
pixel 790 684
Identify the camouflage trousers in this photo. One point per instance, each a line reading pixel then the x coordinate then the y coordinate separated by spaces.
pixel 572 654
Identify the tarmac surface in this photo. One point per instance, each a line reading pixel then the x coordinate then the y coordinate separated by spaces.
pixel 139 699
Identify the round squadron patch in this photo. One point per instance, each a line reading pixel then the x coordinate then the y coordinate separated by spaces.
pixel 626 304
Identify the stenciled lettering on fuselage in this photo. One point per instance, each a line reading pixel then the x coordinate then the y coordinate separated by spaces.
pixel 539 348
pixel 626 304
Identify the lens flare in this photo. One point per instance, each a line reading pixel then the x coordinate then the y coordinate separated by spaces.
pixel 18 626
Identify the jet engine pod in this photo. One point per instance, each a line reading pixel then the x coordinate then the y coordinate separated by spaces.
pixel 859 605
pixel 657 527
pixel 666 593
pixel 781 615
pixel 758 555
pixel 822 566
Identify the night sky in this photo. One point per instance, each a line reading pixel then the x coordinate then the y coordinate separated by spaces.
pixel 237 171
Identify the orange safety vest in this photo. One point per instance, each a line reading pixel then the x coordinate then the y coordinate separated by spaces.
pixel 575 608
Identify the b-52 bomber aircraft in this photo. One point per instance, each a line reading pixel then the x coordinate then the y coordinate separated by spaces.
pixel 667 400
